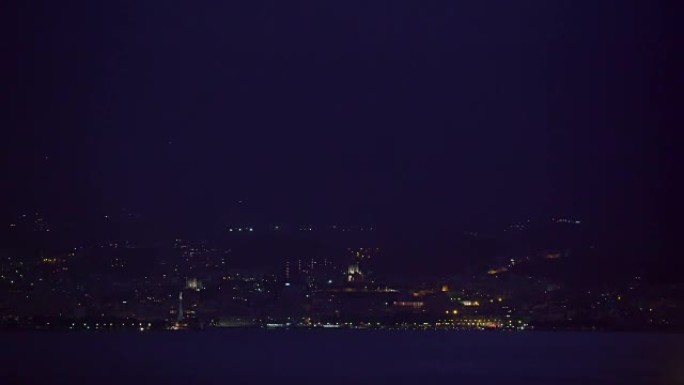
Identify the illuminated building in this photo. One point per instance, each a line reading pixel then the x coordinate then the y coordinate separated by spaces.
pixel 193 284
pixel 497 271
pixel 422 292
pixel 354 273
pixel 409 304
pixel 360 257
pixel 232 322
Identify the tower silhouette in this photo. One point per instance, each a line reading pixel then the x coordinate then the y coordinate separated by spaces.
pixel 180 306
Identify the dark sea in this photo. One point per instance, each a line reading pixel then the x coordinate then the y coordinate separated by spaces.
pixel 341 357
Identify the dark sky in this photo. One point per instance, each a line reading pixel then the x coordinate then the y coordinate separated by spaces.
pixel 472 113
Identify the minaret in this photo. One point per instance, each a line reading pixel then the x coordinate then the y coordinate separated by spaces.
pixel 180 306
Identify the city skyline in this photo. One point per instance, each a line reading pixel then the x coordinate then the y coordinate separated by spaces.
pixel 341 192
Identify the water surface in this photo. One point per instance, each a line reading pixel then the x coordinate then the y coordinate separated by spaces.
pixel 341 357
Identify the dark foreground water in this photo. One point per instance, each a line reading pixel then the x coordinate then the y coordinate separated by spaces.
pixel 341 357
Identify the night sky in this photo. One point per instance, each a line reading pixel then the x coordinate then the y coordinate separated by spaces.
pixel 404 114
